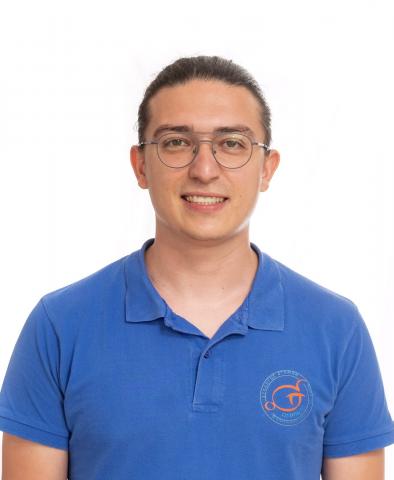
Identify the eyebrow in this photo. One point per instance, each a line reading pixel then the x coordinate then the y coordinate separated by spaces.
pixel 186 128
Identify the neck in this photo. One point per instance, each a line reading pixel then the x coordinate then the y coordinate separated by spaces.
pixel 201 269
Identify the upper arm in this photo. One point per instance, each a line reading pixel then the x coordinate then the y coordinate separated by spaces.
pixel 365 466
pixel 358 419
pixel 26 460
pixel 32 395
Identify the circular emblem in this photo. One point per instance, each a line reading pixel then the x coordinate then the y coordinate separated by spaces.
pixel 286 397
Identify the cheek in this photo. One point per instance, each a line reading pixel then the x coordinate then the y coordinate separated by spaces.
pixel 158 195
pixel 250 188
pixel 248 200
pixel 163 196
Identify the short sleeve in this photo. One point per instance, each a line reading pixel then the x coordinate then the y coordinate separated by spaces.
pixel 359 420
pixel 31 401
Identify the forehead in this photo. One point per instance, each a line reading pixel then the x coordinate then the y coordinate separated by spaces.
pixel 205 105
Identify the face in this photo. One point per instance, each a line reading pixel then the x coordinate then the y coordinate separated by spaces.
pixel 204 106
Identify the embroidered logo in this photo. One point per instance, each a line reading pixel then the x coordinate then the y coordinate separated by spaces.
pixel 286 397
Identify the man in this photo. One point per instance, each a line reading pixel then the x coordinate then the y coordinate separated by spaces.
pixel 198 356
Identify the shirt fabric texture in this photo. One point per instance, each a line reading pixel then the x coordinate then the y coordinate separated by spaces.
pixel 105 369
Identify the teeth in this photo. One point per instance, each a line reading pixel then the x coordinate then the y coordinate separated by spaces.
pixel 204 200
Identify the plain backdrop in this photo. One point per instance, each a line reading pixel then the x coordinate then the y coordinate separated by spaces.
pixel 72 76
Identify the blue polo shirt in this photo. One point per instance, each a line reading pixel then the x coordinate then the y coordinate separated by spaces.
pixel 105 369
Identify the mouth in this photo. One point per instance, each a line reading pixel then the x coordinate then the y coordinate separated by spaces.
pixel 204 200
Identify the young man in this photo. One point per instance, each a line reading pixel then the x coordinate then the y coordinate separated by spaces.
pixel 198 356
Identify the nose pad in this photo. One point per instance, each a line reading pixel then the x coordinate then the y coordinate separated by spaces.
pixel 196 148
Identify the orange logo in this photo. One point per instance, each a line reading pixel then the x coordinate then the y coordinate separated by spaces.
pixel 291 396
pixel 286 397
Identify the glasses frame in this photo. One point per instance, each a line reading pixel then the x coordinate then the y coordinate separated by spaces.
pixel 197 142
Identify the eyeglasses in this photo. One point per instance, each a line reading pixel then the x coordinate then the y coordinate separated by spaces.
pixel 231 150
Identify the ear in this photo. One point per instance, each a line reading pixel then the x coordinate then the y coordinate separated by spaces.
pixel 137 160
pixel 271 163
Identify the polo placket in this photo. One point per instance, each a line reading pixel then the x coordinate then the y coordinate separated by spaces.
pixel 208 366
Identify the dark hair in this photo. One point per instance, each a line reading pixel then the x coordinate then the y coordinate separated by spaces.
pixel 205 68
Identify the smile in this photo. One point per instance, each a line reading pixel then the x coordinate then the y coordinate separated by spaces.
pixel 204 200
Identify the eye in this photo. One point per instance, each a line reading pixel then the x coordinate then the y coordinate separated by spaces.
pixel 175 142
pixel 232 144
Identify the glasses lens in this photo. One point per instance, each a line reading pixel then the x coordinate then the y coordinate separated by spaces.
pixel 232 150
pixel 176 150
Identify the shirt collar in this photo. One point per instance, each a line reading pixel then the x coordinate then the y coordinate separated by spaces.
pixel 263 308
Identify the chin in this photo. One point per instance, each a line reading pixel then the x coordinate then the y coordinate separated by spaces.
pixel 207 237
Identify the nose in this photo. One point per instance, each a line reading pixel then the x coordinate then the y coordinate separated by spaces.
pixel 204 166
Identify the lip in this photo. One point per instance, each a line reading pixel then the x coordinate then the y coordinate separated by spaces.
pixel 203 194
pixel 196 207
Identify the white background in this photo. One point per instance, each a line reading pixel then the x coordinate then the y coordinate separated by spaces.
pixel 72 77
